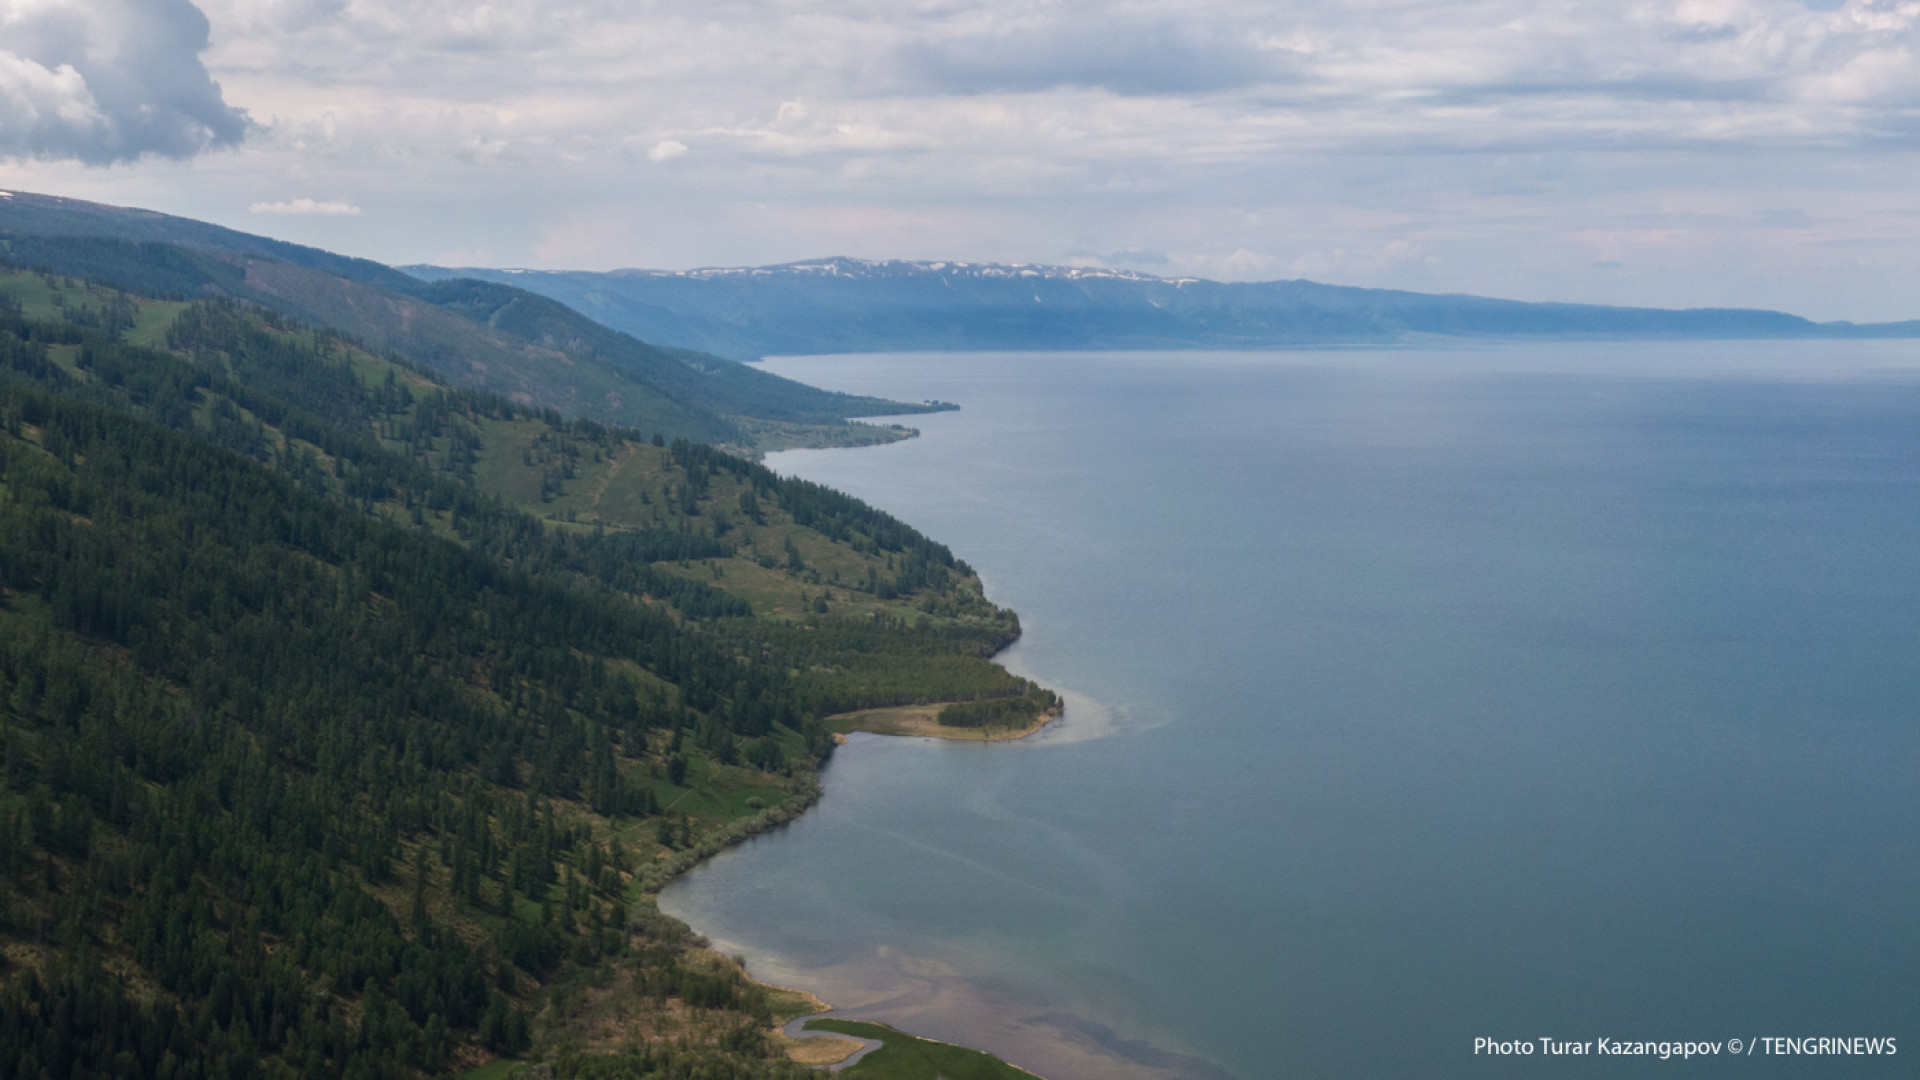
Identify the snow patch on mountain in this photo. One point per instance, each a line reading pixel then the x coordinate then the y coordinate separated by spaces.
pixel 869 269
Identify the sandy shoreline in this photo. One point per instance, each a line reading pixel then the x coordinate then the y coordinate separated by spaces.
pixel 919 995
pixel 836 1052
pixel 824 1048
pixel 929 999
pixel 916 721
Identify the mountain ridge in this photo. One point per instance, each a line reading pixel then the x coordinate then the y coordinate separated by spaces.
pixel 848 266
pixel 487 335
pixel 844 304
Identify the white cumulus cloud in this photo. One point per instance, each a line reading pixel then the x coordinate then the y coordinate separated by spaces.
pixel 305 207
pixel 104 81
pixel 666 150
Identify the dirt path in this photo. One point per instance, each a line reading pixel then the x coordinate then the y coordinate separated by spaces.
pixel 606 478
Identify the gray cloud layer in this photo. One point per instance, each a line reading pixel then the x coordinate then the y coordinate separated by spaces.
pixel 1124 55
pixel 1074 81
pixel 1679 151
pixel 105 81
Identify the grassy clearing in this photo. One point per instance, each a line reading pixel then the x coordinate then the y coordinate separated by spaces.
pixel 373 370
pixel 68 359
pixel 778 593
pixel 501 469
pixel 714 794
pixel 767 436
pixel 42 297
pixel 788 1004
pixel 906 1057
pixel 782 570
pixel 923 720
pixel 31 292
pixel 495 1070
pixel 151 324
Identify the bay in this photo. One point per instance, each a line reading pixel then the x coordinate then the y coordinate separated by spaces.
pixel 1416 696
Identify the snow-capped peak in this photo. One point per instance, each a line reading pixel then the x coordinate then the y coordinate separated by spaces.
pixel 843 266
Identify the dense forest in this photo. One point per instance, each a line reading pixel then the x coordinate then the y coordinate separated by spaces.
pixel 349 720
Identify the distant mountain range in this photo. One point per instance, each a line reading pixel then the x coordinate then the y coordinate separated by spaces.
pixel 659 350
pixel 480 334
pixel 856 305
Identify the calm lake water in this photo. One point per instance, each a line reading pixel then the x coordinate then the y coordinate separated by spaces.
pixel 1416 696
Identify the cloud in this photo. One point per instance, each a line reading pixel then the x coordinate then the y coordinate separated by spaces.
pixel 1237 265
pixel 1081 256
pixel 1123 56
pixel 104 81
pixel 305 208
pixel 1497 136
pixel 1395 255
pixel 996 89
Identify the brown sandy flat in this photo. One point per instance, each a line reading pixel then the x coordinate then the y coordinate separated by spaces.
pixel 822 1049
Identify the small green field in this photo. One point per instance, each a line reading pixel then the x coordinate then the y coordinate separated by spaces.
pixel 713 793
pixel 43 296
pixel 495 1070
pixel 150 325
pixel 31 291
pixel 905 1057
pixel 767 436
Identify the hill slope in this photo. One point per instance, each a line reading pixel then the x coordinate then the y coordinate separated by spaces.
pixel 853 305
pixel 348 720
pixel 488 336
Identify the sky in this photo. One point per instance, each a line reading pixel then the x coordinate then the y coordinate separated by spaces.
pixel 1756 153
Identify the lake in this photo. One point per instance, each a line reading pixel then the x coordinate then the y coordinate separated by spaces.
pixel 1415 696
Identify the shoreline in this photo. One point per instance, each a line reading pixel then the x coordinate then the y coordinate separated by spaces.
pixel 923 1000
pixel 905 721
pixel 1053 1044
pixel 921 721
pixel 908 721
pixel 824 1049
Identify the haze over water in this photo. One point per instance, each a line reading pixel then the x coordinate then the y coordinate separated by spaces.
pixel 1416 695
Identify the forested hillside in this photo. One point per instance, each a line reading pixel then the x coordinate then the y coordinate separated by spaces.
pixel 349 721
pixel 488 336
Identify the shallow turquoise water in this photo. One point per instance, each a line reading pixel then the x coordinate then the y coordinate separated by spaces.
pixel 1567 691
